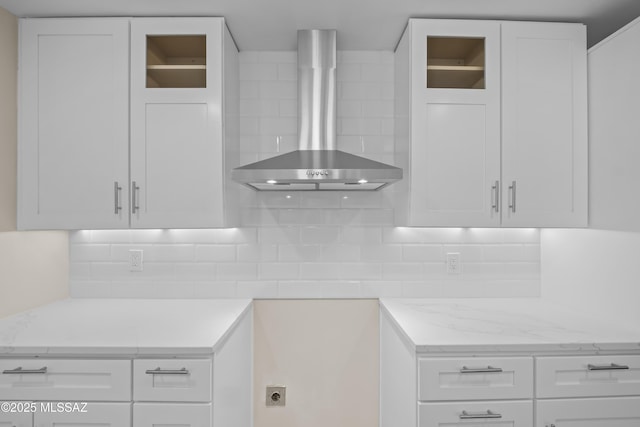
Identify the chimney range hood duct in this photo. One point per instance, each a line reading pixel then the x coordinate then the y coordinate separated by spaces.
pixel 317 164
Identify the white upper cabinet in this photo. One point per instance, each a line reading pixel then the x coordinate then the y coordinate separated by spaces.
pixel 453 154
pixel 614 152
pixel 544 125
pixel 178 105
pixel 491 124
pixel 74 124
pixel 105 143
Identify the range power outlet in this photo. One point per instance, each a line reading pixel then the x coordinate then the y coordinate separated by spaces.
pixel 135 259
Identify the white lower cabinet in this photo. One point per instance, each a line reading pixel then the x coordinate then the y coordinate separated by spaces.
pixel 603 412
pixel 485 413
pixel 65 379
pixel 15 419
pixel 170 415
pixel 492 388
pixel 93 415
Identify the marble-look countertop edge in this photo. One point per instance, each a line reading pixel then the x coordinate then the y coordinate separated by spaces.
pixel 129 348
pixel 393 311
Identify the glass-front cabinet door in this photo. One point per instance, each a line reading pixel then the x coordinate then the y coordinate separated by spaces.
pixel 176 122
pixel 455 79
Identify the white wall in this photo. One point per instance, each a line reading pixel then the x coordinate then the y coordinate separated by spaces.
pixel 33 266
pixel 310 244
pixel 594 270
pixel 326 354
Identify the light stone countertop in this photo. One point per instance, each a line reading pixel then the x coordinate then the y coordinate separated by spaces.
pixel 505 325
pixel 121 327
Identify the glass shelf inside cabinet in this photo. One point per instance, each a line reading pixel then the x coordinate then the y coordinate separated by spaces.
pixel 178 61
pixel 455 62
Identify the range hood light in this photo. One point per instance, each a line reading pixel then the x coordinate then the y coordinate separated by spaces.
pixel 272 181
pixel 362 181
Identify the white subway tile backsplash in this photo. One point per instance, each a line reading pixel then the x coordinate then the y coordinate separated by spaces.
pixel 257 253
pixel 340 253
pixel 279 89
pixel 309 244
pixel 279 271
pixel 237 271
pixel 260 71
pixel 215 253
pixel 423 253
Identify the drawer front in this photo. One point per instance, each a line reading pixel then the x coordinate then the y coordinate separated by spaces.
pixel 171 415
pixel 485 414
pixel 49 379
pixel 94 415
pixel 172 380
pixel 613 412
pixel 15 419
pixel 475 378
pixel 586 376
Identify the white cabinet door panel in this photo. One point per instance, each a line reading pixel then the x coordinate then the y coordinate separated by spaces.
pixel 544 131
pixel 51 379
pixel 613 412
pixel 192 386
pixel 94 415
pixel 455 134
pixel 588 376
pixel 475 414
pixel 171 415
pixel 8 419
pixel 176 134
pixel 74 123
pixel 474 378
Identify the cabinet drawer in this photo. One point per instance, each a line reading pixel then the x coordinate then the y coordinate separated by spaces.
pixel 487 414
pixel 94 415
pixel 177 380
pixel 475 378
pixel 170 415
pixel 16 419
pixel 614 412
pixel 588 376
pixel 47 379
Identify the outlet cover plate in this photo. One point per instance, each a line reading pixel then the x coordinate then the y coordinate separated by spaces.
pixel 276 395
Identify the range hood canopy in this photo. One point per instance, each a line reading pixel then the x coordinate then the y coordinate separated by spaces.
pixel 317 164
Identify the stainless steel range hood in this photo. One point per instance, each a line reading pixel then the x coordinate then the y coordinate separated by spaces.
pixel 317 164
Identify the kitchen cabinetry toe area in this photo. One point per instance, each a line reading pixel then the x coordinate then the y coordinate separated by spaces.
pixel 158 363
pixel 505 362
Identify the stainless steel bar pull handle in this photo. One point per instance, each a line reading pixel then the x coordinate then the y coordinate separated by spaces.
pixel 495 196
pixel 20 371
pixel 479 415
pixel 134 197
pixel 611 367
pixel 116 191
pixel 488 369
pixel 512 196
pixel 158 371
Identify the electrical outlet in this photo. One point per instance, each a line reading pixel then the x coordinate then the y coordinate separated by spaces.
pixel 276 395
pixel 453 263
pixel 135 259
